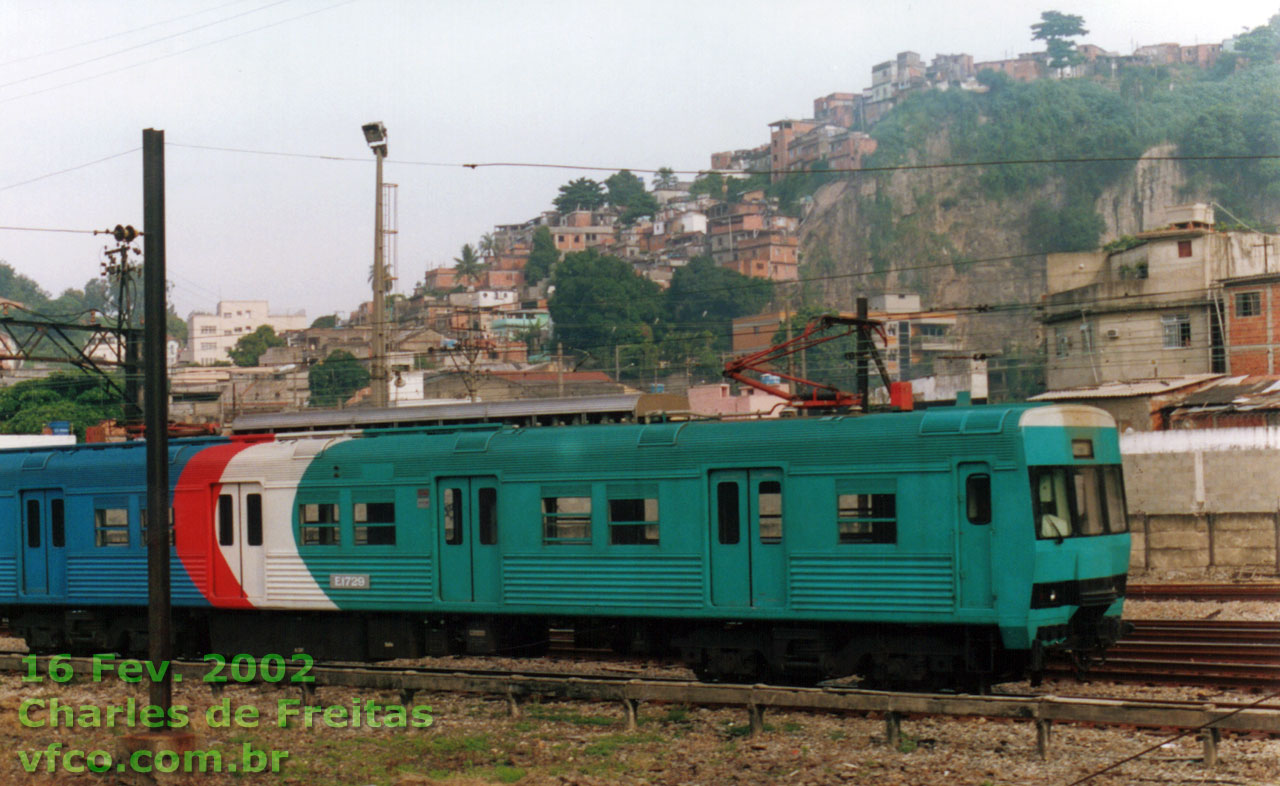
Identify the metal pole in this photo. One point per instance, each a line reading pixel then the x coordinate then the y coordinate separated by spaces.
pixel 378 363
pixel 156 418
pixel 864 384
pixel 560 369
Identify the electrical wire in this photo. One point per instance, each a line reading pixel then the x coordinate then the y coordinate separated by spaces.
pixel 177 53
pixel 70 66
pixel 130 151
pixel 69 47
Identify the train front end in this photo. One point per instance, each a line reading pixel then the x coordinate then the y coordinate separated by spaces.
pixel 1079 526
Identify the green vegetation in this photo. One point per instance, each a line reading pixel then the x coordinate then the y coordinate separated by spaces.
pixel 608 314
pixel 468 266
pixel 82 399
pixel 627 193
pixel 1061 122
pixel 581 194
pixel 542 257
pixel 327 321
pixel 1055 29
pixel 334 379
pixel 249 348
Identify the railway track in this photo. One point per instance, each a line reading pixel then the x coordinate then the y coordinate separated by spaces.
pixel 1205 591
pixel 1215 653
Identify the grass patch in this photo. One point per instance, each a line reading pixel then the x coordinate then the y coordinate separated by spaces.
pixel 568 716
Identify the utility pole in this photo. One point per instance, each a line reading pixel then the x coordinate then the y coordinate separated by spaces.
pixel 560 369
pixel 863 348
pixel 156 406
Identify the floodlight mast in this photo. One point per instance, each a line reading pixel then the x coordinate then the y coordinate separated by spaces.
pixel 376 135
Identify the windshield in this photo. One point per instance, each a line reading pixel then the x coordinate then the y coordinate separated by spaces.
pixel 1078 501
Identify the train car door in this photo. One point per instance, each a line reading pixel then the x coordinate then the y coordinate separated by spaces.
pixel 238 528
pixel 44 540
pixel 974 522
pixel 470 563
pixel 748 561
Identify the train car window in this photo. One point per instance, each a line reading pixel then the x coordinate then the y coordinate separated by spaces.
pixel 253 512
pixel 1113 482
pixel 226 520
pixel 633 522
pixel 867 518
pixel 977 495
pixel 770 511
pixel 453 516
pixel 1088 498
pixel 57 524
pixel 33 523
pixel 487 510
pixel 111 527
pixel 375 523
pixel 730 517
pixel 566 519
pixel 319 524
pixel 142 516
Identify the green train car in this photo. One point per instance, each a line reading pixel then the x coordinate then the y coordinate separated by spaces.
pixel 948 547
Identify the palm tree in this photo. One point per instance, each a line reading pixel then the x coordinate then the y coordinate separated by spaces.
pixel 665 178
pixel 468 266
pixel 490 245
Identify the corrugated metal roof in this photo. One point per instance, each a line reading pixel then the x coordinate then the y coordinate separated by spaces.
pixel 1241 394
pixel 1142 387
pixel 495 411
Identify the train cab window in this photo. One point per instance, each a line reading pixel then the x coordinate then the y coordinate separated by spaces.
pixel 1078 501
pixel 867 518
pixel 253 519
pixel 487 510
pixel 33 523
pixel 375 523
pixel 633 521
pixel 57 524
pixel 1113 486
pixel 977 496
pixel 111 527
pixel 566 519
pixel 319 524
pixel 769 507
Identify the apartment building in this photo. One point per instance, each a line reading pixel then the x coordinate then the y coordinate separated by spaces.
pixel 210 335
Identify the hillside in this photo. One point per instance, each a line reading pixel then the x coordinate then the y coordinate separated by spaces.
pixel 969 237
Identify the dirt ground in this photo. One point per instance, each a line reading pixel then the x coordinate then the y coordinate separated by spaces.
pixel 474 740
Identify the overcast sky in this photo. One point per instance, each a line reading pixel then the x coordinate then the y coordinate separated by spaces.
pixel 615 84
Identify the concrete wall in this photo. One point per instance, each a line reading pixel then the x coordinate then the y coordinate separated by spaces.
pixel 1204 499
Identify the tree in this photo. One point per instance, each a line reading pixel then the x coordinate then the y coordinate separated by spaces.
pixel 581 194
pixel 1259 46
pixel 468 266
pixel 627 193
pixel 704 297
pixel 334 379
pixel 249 348
pixel 665 178
pixel 542 258
pixel 1055 29
pixel 82 399
pixel 600 303
pixel 711 184
pixel 490 245
pixel 327 321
